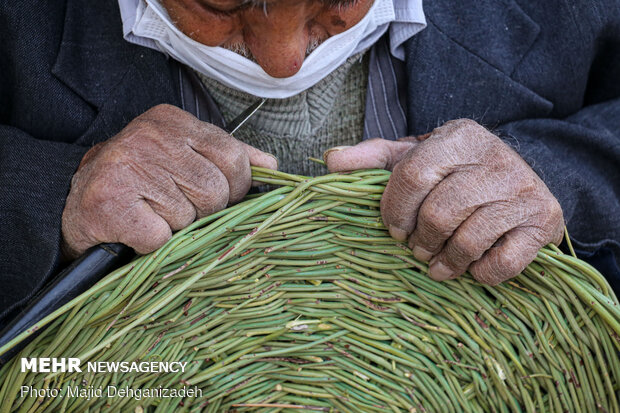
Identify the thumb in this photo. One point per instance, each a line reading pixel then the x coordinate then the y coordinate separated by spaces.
pixel 373 153
pixel 260 158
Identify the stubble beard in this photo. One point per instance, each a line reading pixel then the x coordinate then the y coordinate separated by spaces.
pixel 242 50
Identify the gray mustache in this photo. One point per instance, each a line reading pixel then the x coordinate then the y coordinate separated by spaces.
pixel 243 50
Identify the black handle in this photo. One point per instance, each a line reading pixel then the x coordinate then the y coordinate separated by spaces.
pixel 78 277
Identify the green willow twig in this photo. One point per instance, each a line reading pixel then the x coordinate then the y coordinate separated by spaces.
pixel 299 299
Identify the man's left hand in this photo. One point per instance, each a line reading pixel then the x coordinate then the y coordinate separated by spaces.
pixel 462 198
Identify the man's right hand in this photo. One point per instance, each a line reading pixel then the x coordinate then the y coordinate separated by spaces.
pixel 162 171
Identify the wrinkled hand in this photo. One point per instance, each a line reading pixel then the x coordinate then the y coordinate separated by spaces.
pixel 162 171
pixel 462 198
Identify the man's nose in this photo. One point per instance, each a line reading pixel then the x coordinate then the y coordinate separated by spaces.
pixel 278 40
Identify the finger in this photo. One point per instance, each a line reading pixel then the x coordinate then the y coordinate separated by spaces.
pixel 372 153
pixel 505 260
pixel 426 164
pixel 446 207
pixel 142 229
pixel 73 246
pixel 411 181
pixel 202 183
pixel 472 238
pixel 92 152
pixel 229 155
pixel 168 201
pixel 550 223
pixel 558 234
pixel 260 158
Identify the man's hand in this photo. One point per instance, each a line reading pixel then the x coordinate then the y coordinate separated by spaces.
pixel 160 173
pixel 462 198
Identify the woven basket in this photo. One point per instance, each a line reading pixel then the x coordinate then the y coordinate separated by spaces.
pixel 298 300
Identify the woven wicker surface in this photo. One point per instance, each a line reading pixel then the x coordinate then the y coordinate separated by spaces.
pixel 298 300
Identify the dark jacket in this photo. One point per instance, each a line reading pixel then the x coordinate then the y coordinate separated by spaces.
pixel 544 75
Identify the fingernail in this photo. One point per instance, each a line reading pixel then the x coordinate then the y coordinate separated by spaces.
pixel 275 159
pixel 439 272
pixel 334 149
pixel 421 254
pixel 397 233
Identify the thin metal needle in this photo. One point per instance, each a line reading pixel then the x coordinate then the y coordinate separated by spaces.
pixel 236 123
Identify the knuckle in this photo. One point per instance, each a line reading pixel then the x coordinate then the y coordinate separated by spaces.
pixel 151 241
pixel 210 129
pixel 466 126
pixel 499 160
pixel 184 217
pixel 397 187
pixel 498 266
pixel 485 275
pixel 162 110
pixel 435 220
pixel 216 197
pixel 554 213
pixel 532 238
pixel 484 141
pixel 238 159
pixel 397 209
pixel 217 181
pixel 162 117
pixel 463 123
pixel 546 218
pixel 143 232
pixel 103 197
pixel 462 250
pixel 528 185
pixel 408 176
pixel 141 132
pixel 116 157
pixel 96 195
pixel 552 229
pixel 215 138
pixel 510 264
pixel 179 213
pixel 92 154
pixel 388 208
pixel 159 234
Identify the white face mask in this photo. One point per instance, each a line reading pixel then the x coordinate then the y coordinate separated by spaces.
pixel 235 71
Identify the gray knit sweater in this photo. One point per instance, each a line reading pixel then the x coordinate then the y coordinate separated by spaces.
pixel 331 113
